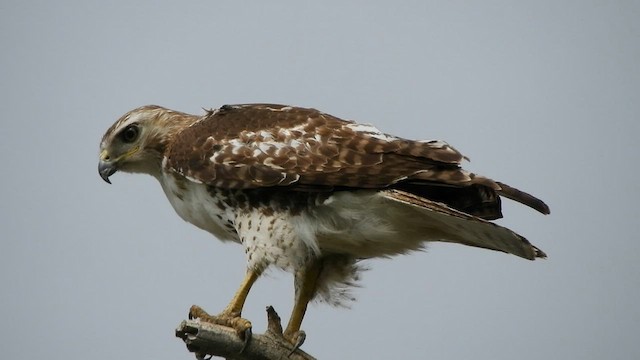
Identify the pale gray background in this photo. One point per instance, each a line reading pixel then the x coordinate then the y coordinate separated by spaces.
pixel 543 95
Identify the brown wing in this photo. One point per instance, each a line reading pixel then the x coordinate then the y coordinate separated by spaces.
pixel 246 146
pixel 263 145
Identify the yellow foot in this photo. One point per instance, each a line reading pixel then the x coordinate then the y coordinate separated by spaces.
pixel 232 320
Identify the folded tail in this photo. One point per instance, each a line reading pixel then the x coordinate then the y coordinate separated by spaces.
pixel 439 222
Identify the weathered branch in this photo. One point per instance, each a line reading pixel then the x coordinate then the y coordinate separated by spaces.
pixel 203 338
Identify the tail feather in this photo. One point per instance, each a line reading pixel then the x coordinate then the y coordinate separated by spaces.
pixel 459 227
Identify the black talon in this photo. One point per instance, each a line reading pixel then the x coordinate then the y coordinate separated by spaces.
pixel 201 356
pixel 247 337
pixel 301 336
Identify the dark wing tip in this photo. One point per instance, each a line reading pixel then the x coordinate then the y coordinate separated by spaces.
pixel 523 198
pixel 539 253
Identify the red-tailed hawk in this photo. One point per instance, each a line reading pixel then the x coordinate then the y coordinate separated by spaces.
pixel 310 193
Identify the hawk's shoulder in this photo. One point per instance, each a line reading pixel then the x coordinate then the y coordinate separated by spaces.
pixel 233 121
pixel 249 145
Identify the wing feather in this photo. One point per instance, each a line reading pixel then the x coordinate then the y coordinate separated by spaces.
pixel 264 145
pixel 271 142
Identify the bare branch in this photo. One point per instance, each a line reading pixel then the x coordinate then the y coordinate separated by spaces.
pixel 203 338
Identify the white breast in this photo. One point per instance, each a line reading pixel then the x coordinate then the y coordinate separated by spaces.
pixel 197 206
pixel 272 240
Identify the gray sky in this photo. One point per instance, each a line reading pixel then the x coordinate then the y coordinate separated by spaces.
pixel 543 95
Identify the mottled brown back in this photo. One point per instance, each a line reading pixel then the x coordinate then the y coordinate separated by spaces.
pixel 264 145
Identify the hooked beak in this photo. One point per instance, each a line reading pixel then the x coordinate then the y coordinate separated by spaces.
pixel 106 169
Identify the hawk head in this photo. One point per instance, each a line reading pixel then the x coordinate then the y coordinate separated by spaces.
pixel 136 142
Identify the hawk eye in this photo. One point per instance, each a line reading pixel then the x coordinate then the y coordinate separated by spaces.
pixel 130 133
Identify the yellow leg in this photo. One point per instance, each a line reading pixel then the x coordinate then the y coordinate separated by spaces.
pixel 306 281
pixel 230 316
pixel 237 303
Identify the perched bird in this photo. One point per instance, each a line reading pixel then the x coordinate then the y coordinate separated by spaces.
pixel 309 193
